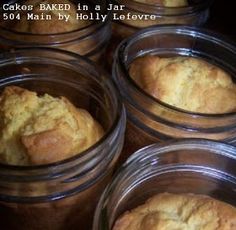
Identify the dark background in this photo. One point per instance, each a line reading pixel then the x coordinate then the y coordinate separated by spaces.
pixel 223 18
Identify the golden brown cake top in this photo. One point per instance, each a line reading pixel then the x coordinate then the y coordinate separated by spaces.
pixel 42 129
pixel 166 3
pixel 187 83
pixel 167 211
pixel 44 25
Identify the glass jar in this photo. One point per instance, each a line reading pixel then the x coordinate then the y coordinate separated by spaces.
pixel 149 119
pixel 89 41
pixel 61 195
pixel 184 166
pixel 139 15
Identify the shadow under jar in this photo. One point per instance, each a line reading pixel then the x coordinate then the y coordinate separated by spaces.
pixel 177 167
pixel 90 40
pixel 61 195
pixel 151 120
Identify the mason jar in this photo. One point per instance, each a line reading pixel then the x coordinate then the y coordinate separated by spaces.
pixel 176 167
pixel 151 120
pixel 89 41
pixel 61 195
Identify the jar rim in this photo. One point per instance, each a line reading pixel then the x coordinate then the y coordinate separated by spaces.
pixel 158 149
pixel 118 119
pixel 167 11
pixel 122 50
pixel 149 152
pixel 218 147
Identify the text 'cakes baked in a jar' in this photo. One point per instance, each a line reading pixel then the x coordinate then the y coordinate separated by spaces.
pixel 58 24
pixel 184 184
pixel 177 82
pixel 62 130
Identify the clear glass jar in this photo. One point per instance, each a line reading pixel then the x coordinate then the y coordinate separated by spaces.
pixel 184 166
pixel 196 13
pixel 89 41
pixel 62 195
pixel 149 119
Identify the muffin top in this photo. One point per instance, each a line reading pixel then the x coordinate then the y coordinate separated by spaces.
pixel 166 3
pixel 167 211
pixel 185 82
pixel 43 26
pixel 42 129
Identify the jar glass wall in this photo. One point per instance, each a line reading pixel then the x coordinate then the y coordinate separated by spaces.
pixel 61 195
pixel 178 167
